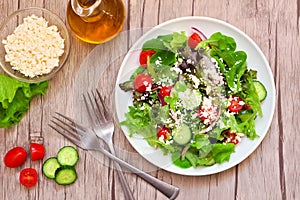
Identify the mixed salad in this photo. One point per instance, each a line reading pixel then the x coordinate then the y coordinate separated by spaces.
pixel 193 97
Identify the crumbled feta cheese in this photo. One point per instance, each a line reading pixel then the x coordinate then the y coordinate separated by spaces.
pixel 166 81
pixel 161 138
pixel 195 80
pixel 207 103
pixel 209 111
pixel 166 121
pixel 176 69
pixel 240 134
pixel 188 70
pixel 213 60
pixel 34 47
pixel 189 61
pixel 228 114
pixel 167 142
pixel 241 103
pixel 206 121
pixel 148 86
pixel 190 98
pixel 238 138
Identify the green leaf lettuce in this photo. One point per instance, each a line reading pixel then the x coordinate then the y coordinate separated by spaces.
pixel 15 97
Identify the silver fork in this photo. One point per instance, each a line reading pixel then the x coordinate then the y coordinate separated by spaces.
pixel 103 126
pixel 86 139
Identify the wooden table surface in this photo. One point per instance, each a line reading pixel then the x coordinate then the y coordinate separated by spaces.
pixel 271 172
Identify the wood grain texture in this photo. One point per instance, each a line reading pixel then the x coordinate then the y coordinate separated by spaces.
pixel 271 172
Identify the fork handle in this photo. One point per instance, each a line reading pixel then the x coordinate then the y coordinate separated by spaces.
pixel 167 189
pixel 124 184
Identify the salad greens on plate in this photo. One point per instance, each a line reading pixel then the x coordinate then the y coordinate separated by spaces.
pixel 193 97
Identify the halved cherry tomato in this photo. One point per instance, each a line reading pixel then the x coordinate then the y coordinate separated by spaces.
pixel 203 115
pixel 165 91
pixel 207 115
pixel 236 104
pixel 28 177
pixel 144 56
pixel 142 82
pixel 230 137
pixel 194 40
pixel 37 151
pixel 163 131
pixel 15 157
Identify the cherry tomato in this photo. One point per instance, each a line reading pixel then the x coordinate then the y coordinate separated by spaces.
pixel 165 91
pixel 236 104
pixel 207 115
pixel 37 151
pixel 144 56
pixel 230 137
pixel 28 177
pixel 163 131
pixel 202 114
pixel 194 40
pixel 142 82
pixel 15 157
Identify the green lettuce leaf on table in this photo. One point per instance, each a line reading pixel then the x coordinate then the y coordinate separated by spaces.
pixel 15 97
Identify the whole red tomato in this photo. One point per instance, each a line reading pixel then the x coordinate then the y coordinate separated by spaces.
pixel 15 157
pixel 37 151
pixel 28 177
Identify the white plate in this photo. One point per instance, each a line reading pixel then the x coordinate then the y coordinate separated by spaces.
pixel 256 60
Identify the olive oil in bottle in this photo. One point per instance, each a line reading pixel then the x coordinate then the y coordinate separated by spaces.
pixel 95 21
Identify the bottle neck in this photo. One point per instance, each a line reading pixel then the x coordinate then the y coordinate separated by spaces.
pixel 84 8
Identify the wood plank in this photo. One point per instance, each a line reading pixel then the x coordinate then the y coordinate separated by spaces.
pixel 271 172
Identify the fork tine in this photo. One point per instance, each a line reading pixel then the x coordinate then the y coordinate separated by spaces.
pixel 66 127
pixel 90 110
pixel 76 142
pixel 106 115
pixel 78 126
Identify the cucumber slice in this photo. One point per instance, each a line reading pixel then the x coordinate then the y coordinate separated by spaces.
pixel 65 176
pixel 49 167
pixel 67 156
pixel 182 135
pixel 261 90
pixel 244 115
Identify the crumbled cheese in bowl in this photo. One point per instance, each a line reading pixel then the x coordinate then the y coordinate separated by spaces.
pixel 34 48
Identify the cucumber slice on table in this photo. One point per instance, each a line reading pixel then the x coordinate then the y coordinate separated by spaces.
pixel 49 167
pixel 67 156
pixel 261 90
pixel 182 135
pixel 65 176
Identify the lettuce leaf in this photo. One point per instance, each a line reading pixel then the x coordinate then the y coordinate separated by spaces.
pixel 15 97
pixel 171 42
pixel 221 152
pixel 138 120
pixel 219 41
